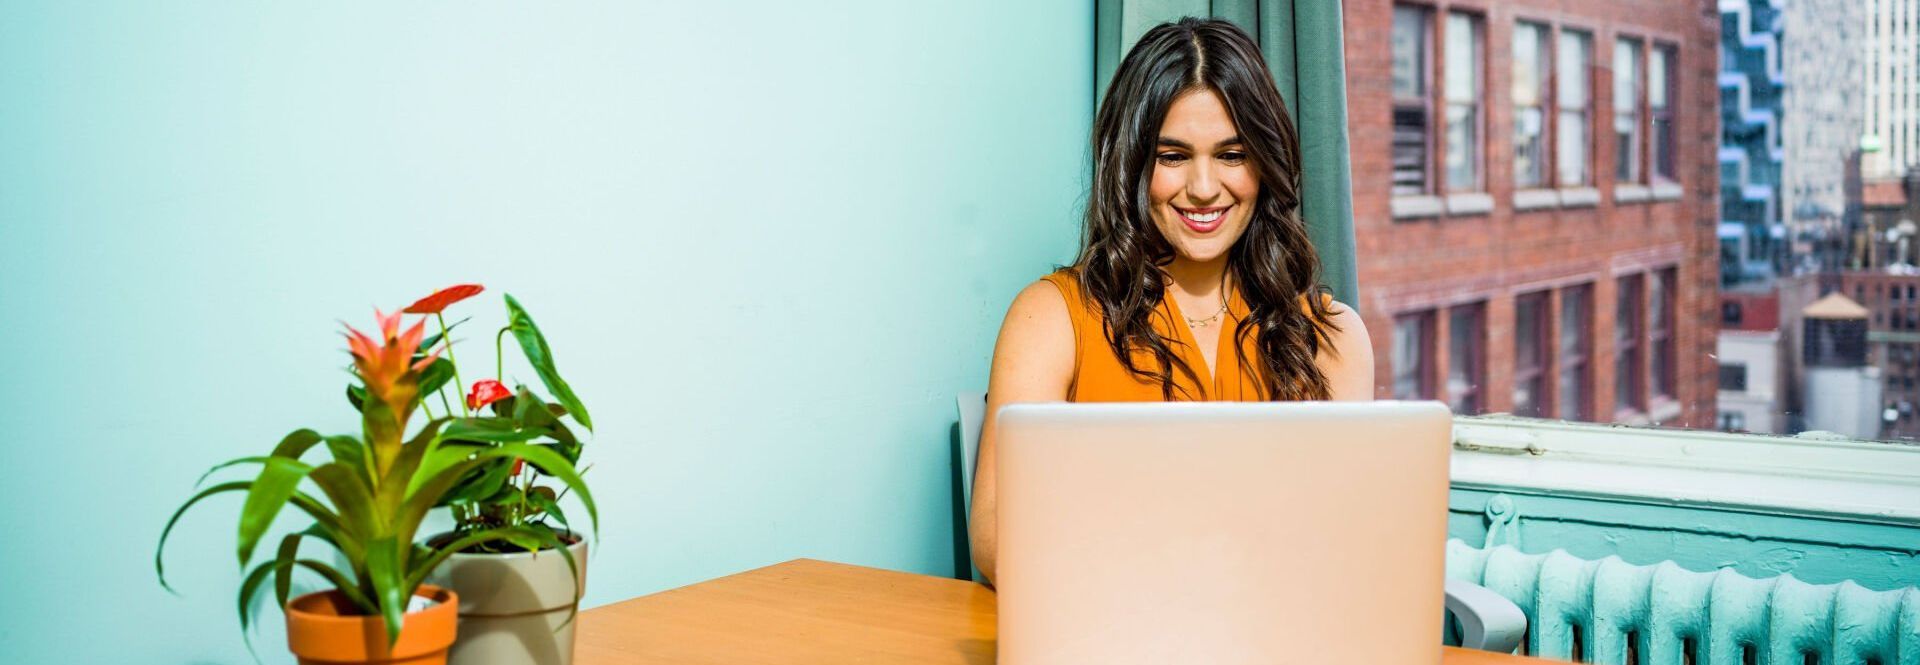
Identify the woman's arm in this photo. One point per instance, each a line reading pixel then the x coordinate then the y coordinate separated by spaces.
pixel 1032 362
pixel 1350 371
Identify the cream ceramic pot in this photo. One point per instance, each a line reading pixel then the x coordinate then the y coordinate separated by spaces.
pixel 513 606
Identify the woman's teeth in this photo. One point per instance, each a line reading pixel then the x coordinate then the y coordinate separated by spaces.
pixel 1203 217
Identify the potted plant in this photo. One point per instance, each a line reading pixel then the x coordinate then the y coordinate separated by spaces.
pixel 375 490
pixel 517 598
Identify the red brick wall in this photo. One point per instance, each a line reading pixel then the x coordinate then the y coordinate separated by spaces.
pixel 1411 264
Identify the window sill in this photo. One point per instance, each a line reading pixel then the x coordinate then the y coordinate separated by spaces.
pixel 1410 206
pixel 1469 203
pixel 1579 197
pixel 1862 481
pixel 1668 191
pixel 1664 409
pixel 1631 193
pixel 1536 199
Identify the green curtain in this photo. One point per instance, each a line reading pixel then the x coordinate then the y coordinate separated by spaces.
pixel 1301 42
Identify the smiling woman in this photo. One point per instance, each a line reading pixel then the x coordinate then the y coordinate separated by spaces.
pixel 1196 279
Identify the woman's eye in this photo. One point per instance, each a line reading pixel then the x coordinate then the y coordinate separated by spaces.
pixel 1235 157
pixel 1171 158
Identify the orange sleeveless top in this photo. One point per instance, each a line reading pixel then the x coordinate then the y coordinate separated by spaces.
pixel 1098 375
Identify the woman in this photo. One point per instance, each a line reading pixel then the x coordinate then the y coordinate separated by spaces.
pixel 1195 279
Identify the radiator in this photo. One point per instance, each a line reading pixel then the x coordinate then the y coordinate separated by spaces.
pixel 1613 612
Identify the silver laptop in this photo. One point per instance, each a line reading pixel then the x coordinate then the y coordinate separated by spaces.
pixel 1298 532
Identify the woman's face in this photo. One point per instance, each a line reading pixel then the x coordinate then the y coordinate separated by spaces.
pixel 1203 186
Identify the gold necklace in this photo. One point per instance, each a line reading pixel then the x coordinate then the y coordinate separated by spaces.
pixel 1202 323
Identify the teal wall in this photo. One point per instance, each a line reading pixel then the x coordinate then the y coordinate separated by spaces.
pixel 769 240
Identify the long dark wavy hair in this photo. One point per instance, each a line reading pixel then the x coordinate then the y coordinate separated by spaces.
pixel 1122 253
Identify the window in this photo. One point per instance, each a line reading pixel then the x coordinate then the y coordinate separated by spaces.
pixel 1463 57
pixel 1571 88
pixel 1660 93
pixel 1413 356
pixel 1733 421
pixel 1466 361
pixel 1530 355
pixel 1660 333
pixel 1733 377
pixel 1411 121
pixel 1627 325
pixel 1530 64
pixel 1626 109
pixel 1576 343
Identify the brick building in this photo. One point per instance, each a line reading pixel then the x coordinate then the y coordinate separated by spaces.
pixel 1892 298
pixel 1535 203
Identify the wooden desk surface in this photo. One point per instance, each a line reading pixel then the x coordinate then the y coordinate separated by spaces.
pixel 806 611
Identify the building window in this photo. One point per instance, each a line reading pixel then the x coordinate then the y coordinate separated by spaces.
pixel 1413 356
pixel 1530 63
pixel 1626 109
pixel 1733 377
pixel 1576 344
pixel 1463 58
pixel 1660 333
pixel 1733 421
pixel 1411 120
pixel 1572 93
pixel 1627 328
pixel 1466 357
pixel 1661 89
pixel 1530 355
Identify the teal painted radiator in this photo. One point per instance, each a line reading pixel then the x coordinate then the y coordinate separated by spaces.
pixel 1613 612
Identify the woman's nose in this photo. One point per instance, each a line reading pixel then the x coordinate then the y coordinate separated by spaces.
pixel 1202 183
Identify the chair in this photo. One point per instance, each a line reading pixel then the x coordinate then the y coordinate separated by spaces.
pixel 1485 620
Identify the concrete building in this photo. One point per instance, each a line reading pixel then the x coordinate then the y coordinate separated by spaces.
pixel 1891 85
pixel 1822 119
pixel 1889 301
pixel 1536 198
pixel 1752 385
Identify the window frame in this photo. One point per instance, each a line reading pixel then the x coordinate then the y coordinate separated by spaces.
pixel 1537 373
pixel 1661 342
pixel 1439 132
pixel 1586 110
pixel 1629 350
pixel 1429 51
pixel 1636 48
pixel 1664 156
pixel 1425 364
pixel 1475 372
pixel 1547 103
pixel 1574 360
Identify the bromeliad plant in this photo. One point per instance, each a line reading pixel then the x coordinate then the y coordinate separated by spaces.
pixel 376 489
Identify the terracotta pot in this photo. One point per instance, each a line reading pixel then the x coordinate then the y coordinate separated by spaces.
pixel 322 629
pixel 513 606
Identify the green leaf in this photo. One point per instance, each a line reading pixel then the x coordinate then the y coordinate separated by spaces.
pixel 257 459
pixel 159 567
pixel 548 504
pixel 494 430
pixel 428 343
pixel 351 452
pixel 270 492
pixel 449 465
pixel 392 489
pixel 347 489
pixel 480 484
pixel 436 376
pixel 296 444
pixel 540 356
pixel 356 395
pixel 389 576
pixel 530 538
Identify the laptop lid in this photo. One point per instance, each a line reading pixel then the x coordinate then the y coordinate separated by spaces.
pixel 1278 532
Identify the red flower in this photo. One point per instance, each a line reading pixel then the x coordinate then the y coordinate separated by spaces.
pixel 440 299
pixel 486 391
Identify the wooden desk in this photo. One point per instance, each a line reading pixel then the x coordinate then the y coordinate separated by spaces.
pixel 806 611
